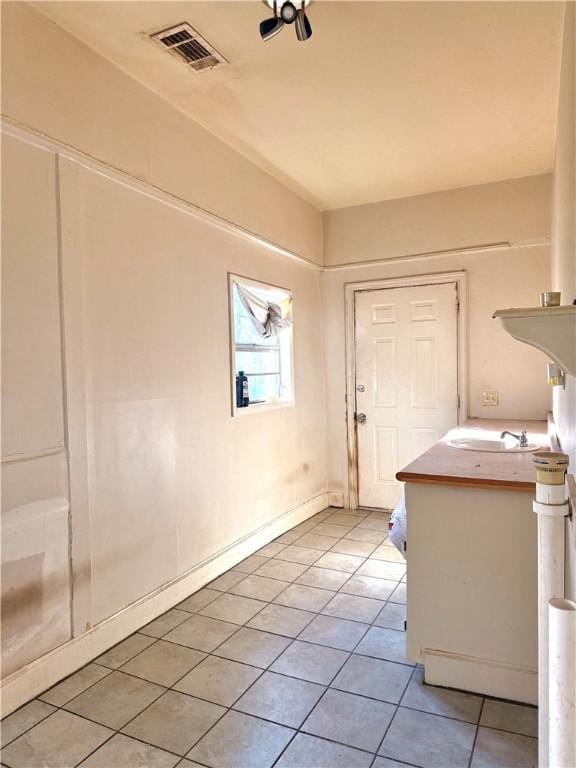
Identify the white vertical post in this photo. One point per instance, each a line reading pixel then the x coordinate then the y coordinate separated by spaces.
pixel 551 507
pixel 550 585
pixel 562 685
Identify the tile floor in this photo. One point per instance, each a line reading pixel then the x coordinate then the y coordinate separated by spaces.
pixel 294 658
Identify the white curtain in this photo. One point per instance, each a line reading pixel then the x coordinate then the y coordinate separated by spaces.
pixel 268 317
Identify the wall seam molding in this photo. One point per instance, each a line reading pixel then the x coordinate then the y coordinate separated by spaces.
pixel 422 256
pixel 62 337
pixel 42 141
pixel 43 673
pixel 12 458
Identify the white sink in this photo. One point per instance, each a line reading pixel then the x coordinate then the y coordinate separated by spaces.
pixel 492 446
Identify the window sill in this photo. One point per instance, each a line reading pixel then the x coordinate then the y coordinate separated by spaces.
pixel 259 407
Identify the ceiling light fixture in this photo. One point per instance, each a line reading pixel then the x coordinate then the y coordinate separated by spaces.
pixel 288 12
pixel 285 12
pixel 270 27
pixel 303 28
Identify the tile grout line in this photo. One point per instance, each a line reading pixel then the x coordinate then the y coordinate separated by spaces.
pixel 5 744
pixel 328 688
pixel 156 639
pixel 262 672
pixel 293 640
pixel 228 708
pixel 246 625
pixel 213 653
pixel 393 717
pixel 166 689
pixel 339 591
pixel 476 733
pixel 355 572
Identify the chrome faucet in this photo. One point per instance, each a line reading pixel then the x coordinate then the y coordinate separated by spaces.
pixel 522 437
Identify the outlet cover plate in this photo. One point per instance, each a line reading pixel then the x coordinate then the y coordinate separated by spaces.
pixel 490 397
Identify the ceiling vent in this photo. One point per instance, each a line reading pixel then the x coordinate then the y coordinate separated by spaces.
pixel 183 42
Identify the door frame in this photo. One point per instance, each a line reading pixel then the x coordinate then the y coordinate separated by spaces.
pixel 408 281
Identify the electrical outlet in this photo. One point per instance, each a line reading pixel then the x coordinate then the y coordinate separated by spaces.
pixel 490 397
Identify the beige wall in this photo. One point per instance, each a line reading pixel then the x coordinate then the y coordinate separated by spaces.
pixel 71 94
pixel 145 316
pixel 35 564
pixel 564 247
pixel 162 477
pixel 171 477
pixel 515 211
pixel 500 278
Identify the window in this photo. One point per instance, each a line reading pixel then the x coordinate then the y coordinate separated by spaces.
pixel 261 325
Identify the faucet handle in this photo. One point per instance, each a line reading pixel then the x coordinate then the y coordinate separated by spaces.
pixel 523 438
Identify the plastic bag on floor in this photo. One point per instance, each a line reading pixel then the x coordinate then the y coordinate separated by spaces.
pixel 397 530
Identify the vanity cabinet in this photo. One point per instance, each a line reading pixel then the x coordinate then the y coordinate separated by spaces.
pixel 472 566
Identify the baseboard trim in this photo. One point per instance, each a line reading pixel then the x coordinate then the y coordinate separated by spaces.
pixel 470 673
pixel 336 498
pixel 46 671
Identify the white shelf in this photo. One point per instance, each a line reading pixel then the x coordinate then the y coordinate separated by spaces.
pixel 550 329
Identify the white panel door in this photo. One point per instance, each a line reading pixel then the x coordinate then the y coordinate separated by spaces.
pixel 406 381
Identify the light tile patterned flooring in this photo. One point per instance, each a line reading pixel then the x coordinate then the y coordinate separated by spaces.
pixel 294 658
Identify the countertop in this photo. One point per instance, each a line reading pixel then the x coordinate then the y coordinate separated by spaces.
pixel 445 465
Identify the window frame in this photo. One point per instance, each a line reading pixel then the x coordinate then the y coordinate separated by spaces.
pixel 288 334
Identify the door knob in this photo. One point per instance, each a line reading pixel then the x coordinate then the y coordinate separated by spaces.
pixel 361 418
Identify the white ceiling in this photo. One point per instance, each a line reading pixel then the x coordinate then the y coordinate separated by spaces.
pixel 388 99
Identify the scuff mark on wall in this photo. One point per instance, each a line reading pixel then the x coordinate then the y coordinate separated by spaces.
pixel 35 582
pixel 23 598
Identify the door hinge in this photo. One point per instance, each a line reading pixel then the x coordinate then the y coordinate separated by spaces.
pixel 458 402
pixel 405 625
pixel 405 546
